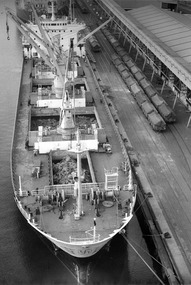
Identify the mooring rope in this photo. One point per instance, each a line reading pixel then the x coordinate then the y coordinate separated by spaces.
pixel 135 211
pixel 143 259
pixel 7 27
pixel 54 253
pixel 150 254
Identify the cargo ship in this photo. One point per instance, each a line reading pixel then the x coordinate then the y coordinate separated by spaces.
pixel 70 184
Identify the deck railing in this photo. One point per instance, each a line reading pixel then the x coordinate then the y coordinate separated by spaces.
pixel 90 237
pixel 67 188
pixel 119 130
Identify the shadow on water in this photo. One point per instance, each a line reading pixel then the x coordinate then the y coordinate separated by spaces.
pixel 147 235
pixel 110 266
pixel 104 268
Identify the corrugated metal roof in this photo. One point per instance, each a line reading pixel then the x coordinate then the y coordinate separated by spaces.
pixel 170 30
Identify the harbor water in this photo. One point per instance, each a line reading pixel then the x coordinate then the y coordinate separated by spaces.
pixel 26 258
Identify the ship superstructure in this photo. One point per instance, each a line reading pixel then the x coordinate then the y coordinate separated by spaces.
pixel 42 6
pixel 59 30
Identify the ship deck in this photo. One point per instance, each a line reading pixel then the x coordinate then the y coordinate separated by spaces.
pixel 24 162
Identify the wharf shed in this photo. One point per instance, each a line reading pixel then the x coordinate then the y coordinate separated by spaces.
pixel 162 37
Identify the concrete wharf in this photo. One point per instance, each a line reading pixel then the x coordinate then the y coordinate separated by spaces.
pixel 165 158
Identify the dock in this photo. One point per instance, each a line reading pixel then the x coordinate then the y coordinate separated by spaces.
pixel 164 160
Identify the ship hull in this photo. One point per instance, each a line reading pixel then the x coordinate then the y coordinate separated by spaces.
pixel 31 191
pixel 78 250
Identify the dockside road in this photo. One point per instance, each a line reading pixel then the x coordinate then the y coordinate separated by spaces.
pixel 164 162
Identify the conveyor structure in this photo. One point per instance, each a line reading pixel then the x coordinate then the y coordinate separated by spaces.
pixel 161 37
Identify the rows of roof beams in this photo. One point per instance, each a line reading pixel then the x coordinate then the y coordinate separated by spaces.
pixel 166 34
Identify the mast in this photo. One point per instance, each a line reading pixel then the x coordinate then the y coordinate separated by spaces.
pixel 79 202
pixel 67 127
pixel 78 185
pixel 70 10
pixel 53 18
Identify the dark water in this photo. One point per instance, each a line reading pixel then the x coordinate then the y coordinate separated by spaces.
pixel 24 257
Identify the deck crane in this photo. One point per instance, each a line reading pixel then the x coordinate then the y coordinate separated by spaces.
pixel 93 32
pixel 25 30
pixel 66 126
pixel 71 47
pixel 50 58
pixel 48 46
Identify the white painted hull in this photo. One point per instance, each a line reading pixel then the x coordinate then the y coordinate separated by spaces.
pixel 79 250
pixel 82 248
